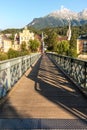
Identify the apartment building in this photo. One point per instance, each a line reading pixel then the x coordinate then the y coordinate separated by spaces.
pixel 5 43
pixel 82 44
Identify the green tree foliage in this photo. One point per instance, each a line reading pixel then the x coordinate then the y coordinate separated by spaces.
pixel 34 45
pixel 24 49
pixel 34 30
pixel 62 47
pixel 51 40
pixel 12 53
pixel 3 56
pixel 62 31
pixel 23 53
pixel 11 31
pixel 73 45
pixel 23 46
pixel 72 52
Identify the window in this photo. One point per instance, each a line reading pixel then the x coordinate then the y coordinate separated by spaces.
pixel 85 46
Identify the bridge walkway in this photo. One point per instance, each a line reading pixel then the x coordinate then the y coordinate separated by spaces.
pixel 44 98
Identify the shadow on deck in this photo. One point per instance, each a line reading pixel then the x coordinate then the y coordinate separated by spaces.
pixel 50 83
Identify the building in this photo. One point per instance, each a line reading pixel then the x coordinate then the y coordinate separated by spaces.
pixel 19 38
pixel 62 38
pixel 25 36
pixel 82 44
pixel 5 43
pixel 16 45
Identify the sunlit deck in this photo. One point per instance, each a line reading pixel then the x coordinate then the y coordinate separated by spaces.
pixel 44 99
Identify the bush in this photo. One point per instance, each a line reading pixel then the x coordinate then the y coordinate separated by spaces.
pixel 72 52
pixel 34 45
pixel 23 53
pixel 62 47
pixel 3 56
pixel 12 53
pixel 23 46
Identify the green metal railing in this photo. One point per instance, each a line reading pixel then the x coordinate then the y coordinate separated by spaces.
pixel 75 69
pixel 11 71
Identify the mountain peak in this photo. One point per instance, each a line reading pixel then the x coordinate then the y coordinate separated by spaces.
pixel 85 10
pixel 63 13
pixel 60 18
pixel 62 9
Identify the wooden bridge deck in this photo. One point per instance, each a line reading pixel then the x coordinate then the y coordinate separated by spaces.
pixel 44 98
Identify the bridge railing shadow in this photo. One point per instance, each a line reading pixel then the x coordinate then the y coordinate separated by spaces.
pixel 12 119
pixel 54 87
pixel 57 88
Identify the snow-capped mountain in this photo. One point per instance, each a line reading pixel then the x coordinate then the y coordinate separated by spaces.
pixel 60 18
pixel 64 13
pixel 83 14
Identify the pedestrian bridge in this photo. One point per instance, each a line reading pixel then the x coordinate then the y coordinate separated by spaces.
pixel 45 96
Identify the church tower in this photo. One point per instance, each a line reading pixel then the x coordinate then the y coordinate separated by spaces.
pixel 69 31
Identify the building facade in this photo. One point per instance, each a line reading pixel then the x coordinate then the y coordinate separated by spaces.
pixel 16 45
pixel 5 43
pixel 25 36
pixel 19 38
pixel 82 44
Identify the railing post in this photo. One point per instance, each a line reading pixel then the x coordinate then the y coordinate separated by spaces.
pixel 85 84
pixel 11 70
pixel 76 69
pixel 71 65
pixel 8 78
pixel 20 68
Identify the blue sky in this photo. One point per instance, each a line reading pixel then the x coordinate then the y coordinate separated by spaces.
pixel 18 13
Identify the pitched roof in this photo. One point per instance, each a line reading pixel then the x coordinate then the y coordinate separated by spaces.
pixel 83 37
pixel 60 38
pixel 4 37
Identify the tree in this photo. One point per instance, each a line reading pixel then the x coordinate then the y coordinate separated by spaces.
pixel 23 46
pixel 62 47
pixel 73 49
pixel 12 53
pixel 34 45
pixel 51 40
pixel 24 49
pixel 3 56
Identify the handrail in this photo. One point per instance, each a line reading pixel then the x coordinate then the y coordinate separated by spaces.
pixel 12 70
pixel 75 69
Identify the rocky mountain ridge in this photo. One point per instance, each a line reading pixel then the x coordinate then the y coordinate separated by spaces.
pixel 60 18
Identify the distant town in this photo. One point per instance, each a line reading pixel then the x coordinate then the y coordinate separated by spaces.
pixel 63 41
